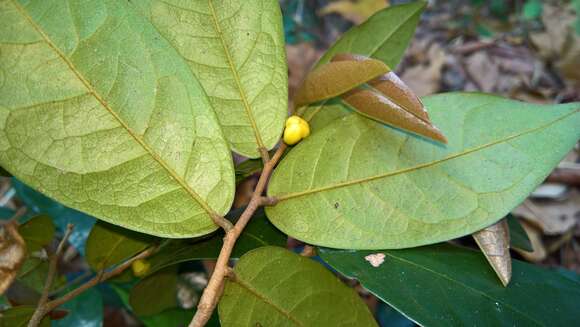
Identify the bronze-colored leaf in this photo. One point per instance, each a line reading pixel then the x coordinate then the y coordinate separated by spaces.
pixel 391 102
pixel 494 242
pixel 12 254
pixel 391 86
pixel 335 78
pixel 378 107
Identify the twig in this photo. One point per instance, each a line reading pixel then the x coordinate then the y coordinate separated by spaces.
pixel 215 286
pixel 101 276
pixel 41 309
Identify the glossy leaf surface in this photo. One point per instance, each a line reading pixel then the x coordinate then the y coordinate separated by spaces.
pixel 338 77
pixel 110 245
pixel 105 116
pixel 445 285
pixel 19 317
pixel 236 50
pixel 358 184
pixel 275 287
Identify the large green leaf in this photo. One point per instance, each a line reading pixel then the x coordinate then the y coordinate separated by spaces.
pixel 109 245
pixel 259 232
pixel 444 285
pixel 275 287
pixel 384 36
pixel 101 113
pixel 358 184
pixel 236 50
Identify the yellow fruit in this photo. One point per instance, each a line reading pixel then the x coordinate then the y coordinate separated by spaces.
pixel 296 129
pixel 292 134
pixel 293 120
pixel 305 129
pixel 140 267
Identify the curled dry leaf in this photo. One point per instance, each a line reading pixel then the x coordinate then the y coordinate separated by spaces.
pixel 391 102
pixel 494 242
pixel 12 254
pixel 335 78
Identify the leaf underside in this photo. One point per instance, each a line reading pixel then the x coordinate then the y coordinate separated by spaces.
pixel 104 115
pixel 275 287
pixel 236 50
pixel 358 184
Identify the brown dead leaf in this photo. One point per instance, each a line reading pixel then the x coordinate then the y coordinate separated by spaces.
pixel 424 79
pixel 12 254
pixel 357 11
pixel 335 78
pixel 483 71
pixel 552 217
pixel 535 236
pixel 494 242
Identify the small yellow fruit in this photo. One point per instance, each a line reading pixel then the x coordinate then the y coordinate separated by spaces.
pixel 140 267
pixel 292 134
pixel 296 129
pixel 293 120
pixel 305 129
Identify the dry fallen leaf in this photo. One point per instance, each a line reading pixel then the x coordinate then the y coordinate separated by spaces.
pixel 494 242
pixel 335 78
pixel 12 254
pixel 424 79
pixel 553 217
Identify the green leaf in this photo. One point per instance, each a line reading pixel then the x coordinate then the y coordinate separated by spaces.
pixel 518 236
pixel 105 116
pixel 155 293
pixel 236 50
pixel 357 184
pixel 33 274
pixel 109 245
pixel 19 317
pixel 259 232
pixel 532 9
pixel 37 232
pixel 384 36
pixel 280 288
pixel 445 285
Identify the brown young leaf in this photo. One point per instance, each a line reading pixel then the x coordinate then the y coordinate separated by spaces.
pixel 336 78
pixel 391 102
pixel 378 107
pixel 494 242
pixel 12 254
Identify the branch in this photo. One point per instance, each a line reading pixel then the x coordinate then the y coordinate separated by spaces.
pixel 214 288
pixel 100 277
pixel 41 309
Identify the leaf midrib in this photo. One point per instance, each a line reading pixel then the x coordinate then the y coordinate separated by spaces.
pixel 236 76
pixel 105 105
pixel 262 298
pixel 421 166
